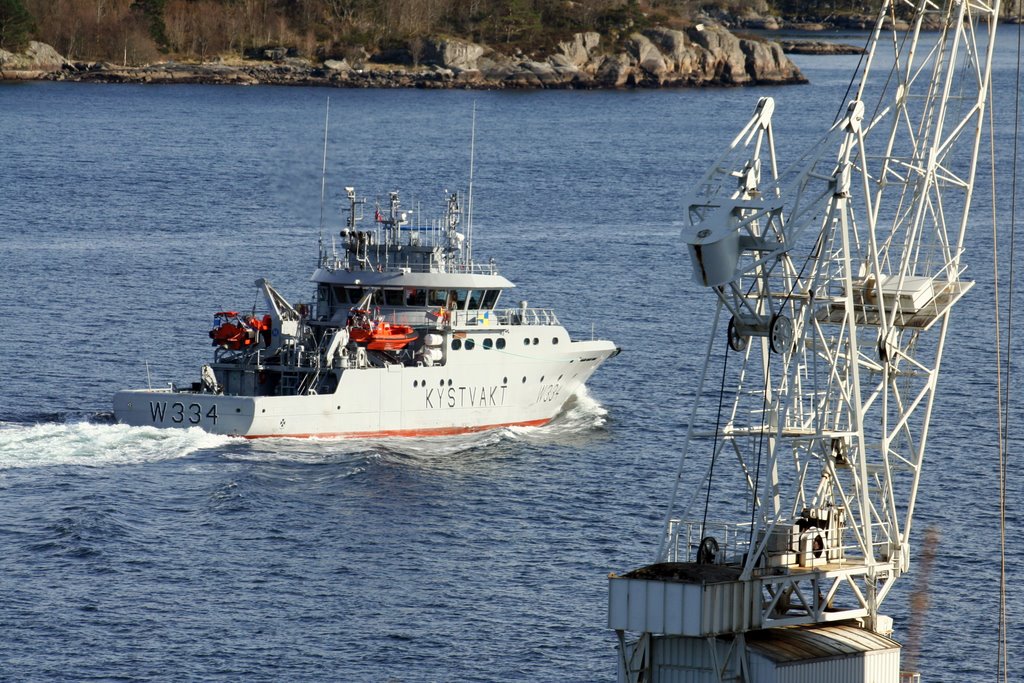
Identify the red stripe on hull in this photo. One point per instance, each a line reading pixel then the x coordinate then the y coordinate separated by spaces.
pixel 434 431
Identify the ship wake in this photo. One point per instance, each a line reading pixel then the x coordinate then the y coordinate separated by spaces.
pixel 90 444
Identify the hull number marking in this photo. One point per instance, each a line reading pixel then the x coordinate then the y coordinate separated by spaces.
pixel 181 413
pixel 548 393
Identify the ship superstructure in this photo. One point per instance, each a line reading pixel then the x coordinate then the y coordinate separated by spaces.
pixel 405 336
pixel 834 281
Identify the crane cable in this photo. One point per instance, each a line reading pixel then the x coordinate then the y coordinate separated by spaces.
pixel 714 445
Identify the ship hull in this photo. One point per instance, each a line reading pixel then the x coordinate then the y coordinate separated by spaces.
pixel 391 401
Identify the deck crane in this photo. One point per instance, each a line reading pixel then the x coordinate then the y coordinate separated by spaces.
pixel 834 280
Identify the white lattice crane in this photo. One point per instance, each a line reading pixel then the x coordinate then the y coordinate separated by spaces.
pixel 834 279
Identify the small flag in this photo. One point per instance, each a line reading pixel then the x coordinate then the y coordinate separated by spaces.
pixel 377 217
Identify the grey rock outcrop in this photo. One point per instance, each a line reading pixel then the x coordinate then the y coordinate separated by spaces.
pixel 648 58
pixel 725 56
pixel 337 65
pixel 451 54
pixel 37 60
pixel 657 57
pixel 580 49
pixel 766 63
pixel 616 71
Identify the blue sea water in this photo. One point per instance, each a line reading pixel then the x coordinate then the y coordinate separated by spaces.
pixel 128 214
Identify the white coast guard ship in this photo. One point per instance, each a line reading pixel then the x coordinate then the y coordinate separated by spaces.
pixel 405 337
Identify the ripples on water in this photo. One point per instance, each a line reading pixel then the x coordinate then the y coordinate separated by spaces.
pixel 300 558
pixel 130 213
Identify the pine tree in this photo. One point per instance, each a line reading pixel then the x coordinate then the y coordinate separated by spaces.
pixel 16 26
pixel 153 11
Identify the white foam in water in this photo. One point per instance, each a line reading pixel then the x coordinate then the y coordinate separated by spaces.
pixel 581 413
pixel 95 445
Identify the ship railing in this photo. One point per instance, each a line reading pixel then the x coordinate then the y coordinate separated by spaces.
pixel 527 316
pixel 685 538
pixel 465 268
pixel 472 268
pixel 910 677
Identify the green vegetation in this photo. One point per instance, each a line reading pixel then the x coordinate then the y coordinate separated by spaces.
pixel 138 31
pixel 16 25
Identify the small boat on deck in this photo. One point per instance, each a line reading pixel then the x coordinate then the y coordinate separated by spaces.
pixel 379 335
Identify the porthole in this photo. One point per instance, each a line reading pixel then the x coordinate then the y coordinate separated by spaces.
pixel 554 340
pixel 449 382
pixel 470 344
pixel 504 380
pixel 536 341
pixel 542 378
pixel 415 383
pixel 526 342
pixel 500 343
pixel 524 380
pixel 441 383
pixel 488 343
pixel 456 344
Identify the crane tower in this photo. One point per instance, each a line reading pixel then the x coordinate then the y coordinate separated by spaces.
pixel 833 278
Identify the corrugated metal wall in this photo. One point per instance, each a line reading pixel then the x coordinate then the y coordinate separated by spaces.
pixel 680 659
pixel 868 667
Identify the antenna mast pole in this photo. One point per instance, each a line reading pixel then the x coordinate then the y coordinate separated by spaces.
pixel 469 208
pixel 323 184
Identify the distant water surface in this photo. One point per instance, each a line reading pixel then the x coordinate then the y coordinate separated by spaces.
pixel 131 213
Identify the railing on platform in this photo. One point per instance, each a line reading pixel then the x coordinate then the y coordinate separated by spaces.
pixel 527 316
pixel 732 539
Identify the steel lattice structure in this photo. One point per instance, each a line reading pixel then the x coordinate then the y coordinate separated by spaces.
pixel 835 279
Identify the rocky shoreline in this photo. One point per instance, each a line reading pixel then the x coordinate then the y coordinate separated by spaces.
pixel 703 55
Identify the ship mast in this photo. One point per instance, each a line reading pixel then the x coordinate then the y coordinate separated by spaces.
pixel 834 280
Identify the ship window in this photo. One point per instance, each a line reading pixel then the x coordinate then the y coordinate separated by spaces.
pixel 526 341
pixel 415 297
pixel 554 340
pixel 456 344
pixel 323 293
pixel 339 295
pixel 460 296
pixel 490 298
pixel 474 299
pixel 354 295
pixel 470 344
pixel 488 343
pixel 437 297
pixel 536 341
pixel 500 343
pixel 394 297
